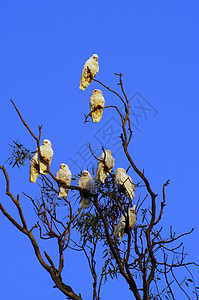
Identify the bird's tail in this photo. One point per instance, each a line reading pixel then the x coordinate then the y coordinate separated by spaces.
pixel 97 115
pixel 33 175
pixel 81 87
pixel 63 192
pixel 43 168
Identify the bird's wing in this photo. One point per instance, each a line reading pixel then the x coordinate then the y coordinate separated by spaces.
pixel 85 77
pixel 91 185
pixel 101 157
pixel 110 161
pixel 34 168
pixel 92 102
pixel 121 178
pixel 34 159
pixel 61 175
pixel 98 100
pixel 68 177
pixel 128 184
pixel 124 181
pixel 92 67
pixel 46 153
pixel 119 229
pixel 132 219
pixel 81 182
pixel 101 175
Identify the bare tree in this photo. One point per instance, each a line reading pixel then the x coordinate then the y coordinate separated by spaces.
pixel 149 258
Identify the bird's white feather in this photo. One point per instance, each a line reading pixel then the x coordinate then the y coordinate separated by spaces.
pixel 124 183
pixel 34 168
pixel 103 169
pixel 88 183
pixel 97 103
pixel 64 174
pixel 90 70
pixel 120 229
pixel 38 165
pixel 47 154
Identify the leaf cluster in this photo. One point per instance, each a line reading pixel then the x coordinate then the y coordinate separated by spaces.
pixel 19 154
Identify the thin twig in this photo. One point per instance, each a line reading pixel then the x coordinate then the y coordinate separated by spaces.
pixel 180 285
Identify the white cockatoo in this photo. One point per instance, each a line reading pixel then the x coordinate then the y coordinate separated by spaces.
pixel 97 103
pixel 88 183
pixel 64 174
pixel 47 154
pixel 121 227
pixel 40 167
pixel 90 70
pixel 124 183
pixel 103 169
pixel 34 167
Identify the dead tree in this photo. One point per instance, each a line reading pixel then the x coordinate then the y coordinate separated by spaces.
pixel 149 256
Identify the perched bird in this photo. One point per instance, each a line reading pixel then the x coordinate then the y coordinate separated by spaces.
pixel 88 183
pixel 97 103
pixel 47 154
pixel 39 166
pixel 34 167
pixel 105 164
pixel 90 70
pixel 124 183
pixel 121 227
pixel 64 174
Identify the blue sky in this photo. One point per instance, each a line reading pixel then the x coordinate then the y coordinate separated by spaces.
pixel 44 45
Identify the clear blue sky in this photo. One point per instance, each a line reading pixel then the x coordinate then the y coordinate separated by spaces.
pixel 44 45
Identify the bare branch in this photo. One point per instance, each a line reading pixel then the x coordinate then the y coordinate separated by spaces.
pixel 180 285
pixel 16 202
pixel 25 124
pixel 162 203
pixel 108 106
pixel 174 239
pixel 167 281
pixel 112 91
